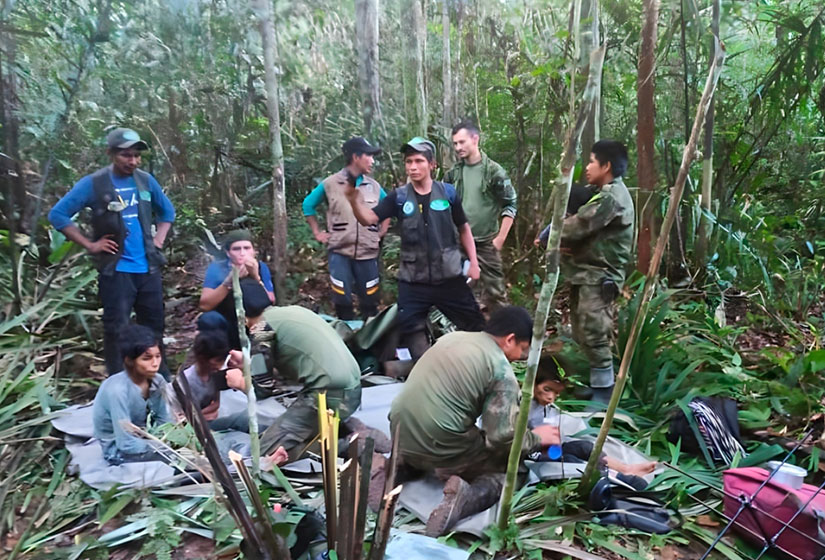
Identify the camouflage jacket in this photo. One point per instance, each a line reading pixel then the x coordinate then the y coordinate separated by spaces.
pixel 599 237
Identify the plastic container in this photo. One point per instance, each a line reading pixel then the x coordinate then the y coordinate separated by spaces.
pixel 791 475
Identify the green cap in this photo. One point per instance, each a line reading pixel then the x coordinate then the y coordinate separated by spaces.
pixel 235 236
pixel 419 144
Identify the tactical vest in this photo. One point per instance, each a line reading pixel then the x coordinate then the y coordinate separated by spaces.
pixel 429 248
pixel 108 222
pixel 346 236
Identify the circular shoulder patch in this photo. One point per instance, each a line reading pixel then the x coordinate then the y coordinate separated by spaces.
pixel 408 208
pixel 439 204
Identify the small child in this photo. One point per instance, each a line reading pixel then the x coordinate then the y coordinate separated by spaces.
pixel 547 388
pixel 129 396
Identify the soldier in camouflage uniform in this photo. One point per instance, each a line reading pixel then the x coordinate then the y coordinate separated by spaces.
pixel 490 203
pixel 596 245
pixel 464 376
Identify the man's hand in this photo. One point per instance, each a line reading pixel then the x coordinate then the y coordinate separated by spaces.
pixel 498 242
pixel 322 236
pixel 210 411
pixel 235 359
pixel 349 190
pixel 474 272
pixel 234 379
pixel 549 435
pixel 251 266
pixel 103 245
pixel 537 242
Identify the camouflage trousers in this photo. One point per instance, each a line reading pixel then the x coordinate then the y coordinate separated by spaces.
pixel 491 286
pixel 591 318
pixel 296 427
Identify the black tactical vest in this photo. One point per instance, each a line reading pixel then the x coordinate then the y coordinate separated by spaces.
pixel 109 222
pixel 429 247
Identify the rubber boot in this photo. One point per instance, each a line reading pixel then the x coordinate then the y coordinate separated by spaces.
pixel 462 499
pixel 345 312
pixel 602 394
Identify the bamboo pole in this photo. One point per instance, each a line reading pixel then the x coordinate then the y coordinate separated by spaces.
pixel 551 276
pixel 688 156
pixel 384 524
pixel 252 401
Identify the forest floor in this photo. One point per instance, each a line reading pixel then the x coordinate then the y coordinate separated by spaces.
pixel 758 331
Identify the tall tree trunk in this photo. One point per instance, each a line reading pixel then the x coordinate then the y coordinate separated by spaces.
pixel 366 33
pixel 99 35
pixel 446 70
pixel 263 10
pixel 414 29
pixel 447 84
pixel 458 75
pixel 559 198
pixel 11 176
pixel 588 477
pixel 590 39
pixel 703 235
pixel 646 133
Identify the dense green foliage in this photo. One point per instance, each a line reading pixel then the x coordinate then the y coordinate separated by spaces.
pixel 188 75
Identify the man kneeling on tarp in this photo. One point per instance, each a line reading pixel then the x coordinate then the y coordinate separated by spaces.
pixel 302 347
pixel 464 376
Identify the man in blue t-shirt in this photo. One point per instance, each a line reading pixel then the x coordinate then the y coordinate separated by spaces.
pixel 125 203
pixel 217 301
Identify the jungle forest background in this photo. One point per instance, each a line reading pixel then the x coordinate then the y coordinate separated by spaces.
pixel 246 104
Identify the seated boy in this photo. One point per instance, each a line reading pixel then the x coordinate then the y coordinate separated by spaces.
pixel 130 396
pixel 209 375
pixel 547 388
pixel 217 300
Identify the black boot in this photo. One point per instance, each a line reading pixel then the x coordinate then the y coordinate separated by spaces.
pixel 345 312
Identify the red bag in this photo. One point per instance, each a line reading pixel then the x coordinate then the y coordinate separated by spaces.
pixel 774 505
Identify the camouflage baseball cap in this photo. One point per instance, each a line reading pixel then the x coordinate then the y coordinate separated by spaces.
pixel 419 144
pixel 122 138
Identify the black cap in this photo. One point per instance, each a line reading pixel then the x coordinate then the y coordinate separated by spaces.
pixel 122 138
pixel 358 145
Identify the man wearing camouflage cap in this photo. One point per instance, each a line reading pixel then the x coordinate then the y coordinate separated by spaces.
pixel 433 229
pixel 125 203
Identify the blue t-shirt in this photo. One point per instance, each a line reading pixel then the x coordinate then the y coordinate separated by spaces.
pixel 218 271
pixel 82 195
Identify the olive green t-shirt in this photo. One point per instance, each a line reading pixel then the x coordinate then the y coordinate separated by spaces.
pixel 464 376
pixel 482 213
pixel 305 348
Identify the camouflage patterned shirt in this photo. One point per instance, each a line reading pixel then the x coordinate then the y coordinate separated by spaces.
pixel 600 237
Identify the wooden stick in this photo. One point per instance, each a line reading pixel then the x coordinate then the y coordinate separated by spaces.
pixel 384 525
pixel 363 493
pixel 275 542
pixel 346 508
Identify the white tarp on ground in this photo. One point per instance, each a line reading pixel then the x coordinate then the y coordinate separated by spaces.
pixel 419 496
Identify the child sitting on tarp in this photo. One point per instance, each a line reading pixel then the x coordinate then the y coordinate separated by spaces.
pixel 216 368
pixel 547 388
pixel 129 397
